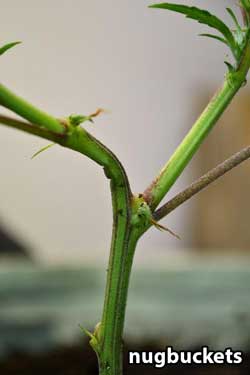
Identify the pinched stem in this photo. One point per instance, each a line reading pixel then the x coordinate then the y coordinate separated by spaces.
pixel 203 182
pixel 107 340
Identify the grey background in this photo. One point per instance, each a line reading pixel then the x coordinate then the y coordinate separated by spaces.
pixel 147 67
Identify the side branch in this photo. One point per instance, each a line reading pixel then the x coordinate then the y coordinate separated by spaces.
pixel 32 129
pixel 185 151
pixel 78 139
pixel 203 182
pixel 26 110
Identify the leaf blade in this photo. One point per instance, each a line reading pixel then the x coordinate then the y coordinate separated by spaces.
pixel 206 18
pixel 234 18
pixel 8 46
pixel 45 148
pixel 212 36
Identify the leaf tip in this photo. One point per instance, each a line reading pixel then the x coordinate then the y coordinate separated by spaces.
pixel 155 5
pixel 41 150
pixel 8 46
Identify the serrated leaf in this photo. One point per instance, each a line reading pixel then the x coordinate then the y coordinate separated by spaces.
pixel 8 46
pixel 214 37
pixel 42 149
pixel 206 18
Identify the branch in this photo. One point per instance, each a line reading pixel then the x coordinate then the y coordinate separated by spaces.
pixel 78 139
pixel 107 339
pixel 32 129
pixel 203 182
pixel 29 112
pixel 185 151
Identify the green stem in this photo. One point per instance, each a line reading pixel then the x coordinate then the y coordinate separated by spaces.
pixel 32 129
pixel 78 139
pixel 130 220
pixel 108 338
pixel 26 110
pixel 183 154
pixel 188 147
pixel 120 264
pixel 108 342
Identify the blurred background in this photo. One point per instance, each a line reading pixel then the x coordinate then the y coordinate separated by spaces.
pixel 154 75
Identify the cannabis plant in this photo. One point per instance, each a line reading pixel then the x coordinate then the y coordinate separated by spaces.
pixel 134 214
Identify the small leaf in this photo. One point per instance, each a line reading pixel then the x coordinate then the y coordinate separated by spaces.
pixel 77 120
pixel 42 149
pixel 230 67
pixel 161 227
pixel 94 343
pixel 234 18
pixel 215 37
pixel 206 18
pixel 239 34
pixel 8 46
pixel 86 332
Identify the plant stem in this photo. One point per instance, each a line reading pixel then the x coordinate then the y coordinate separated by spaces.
pixel 203 182
pixel 186 150
pixel 183 154
pixel 108 343
pixel 26 110
pixel 32 129
pixel 120 264
pixel 77 139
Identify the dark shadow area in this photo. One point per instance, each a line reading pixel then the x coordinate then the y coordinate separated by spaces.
pixel 10 246
pixel 80 360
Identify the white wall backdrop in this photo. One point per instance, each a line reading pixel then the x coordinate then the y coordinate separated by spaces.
pixel 145 66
